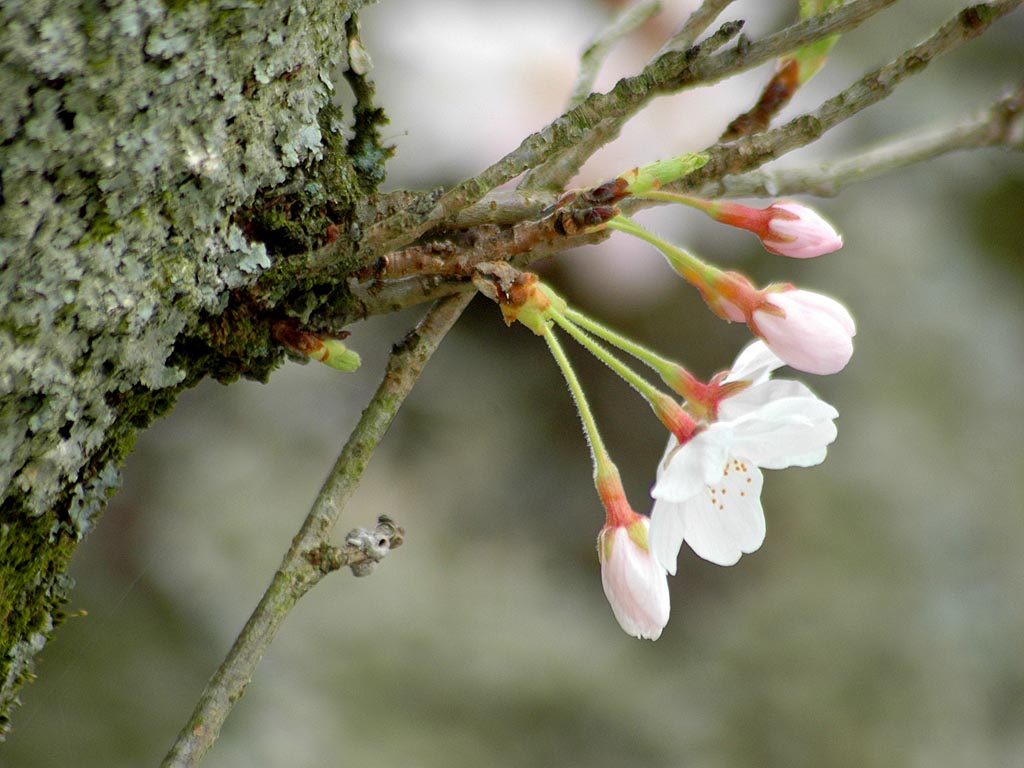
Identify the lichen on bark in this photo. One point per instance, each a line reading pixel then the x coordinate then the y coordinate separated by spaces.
pixel 135 142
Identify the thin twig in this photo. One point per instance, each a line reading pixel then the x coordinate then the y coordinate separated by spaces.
pixel 1001 125
pixel 670 73
pixel 530 241
pixel 702 68
pixel 694 26
pixel 303 565
pixel 556 170
pixel 748 54
pixel 752 151
pixel 597 50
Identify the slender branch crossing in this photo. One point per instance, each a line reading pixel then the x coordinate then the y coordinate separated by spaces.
pixel 303 565
pixel 669 73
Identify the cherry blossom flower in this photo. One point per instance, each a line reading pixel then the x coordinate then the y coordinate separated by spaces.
pixel 634 582
pixel 708 490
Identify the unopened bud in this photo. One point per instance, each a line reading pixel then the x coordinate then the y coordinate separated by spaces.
pixel 786 228
pixel 634 583
pixel 330 351
pixel 809 331
pixel 654 175
pixel 334 353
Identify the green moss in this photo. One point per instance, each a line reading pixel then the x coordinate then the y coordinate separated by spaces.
pixel 368 153
pixel 34 554
pixel 336 175
pixel 35 549
pixel 233 344
pixel 101 227
pixel 140 139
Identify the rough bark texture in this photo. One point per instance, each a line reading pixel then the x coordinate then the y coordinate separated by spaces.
pixel 155 157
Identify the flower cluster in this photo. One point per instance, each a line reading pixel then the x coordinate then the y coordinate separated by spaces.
pixel 723 431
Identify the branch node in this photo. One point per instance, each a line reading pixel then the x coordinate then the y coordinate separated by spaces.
pixel 362 551
pixel 372 545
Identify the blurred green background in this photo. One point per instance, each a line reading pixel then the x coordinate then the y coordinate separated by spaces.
pixel 880 625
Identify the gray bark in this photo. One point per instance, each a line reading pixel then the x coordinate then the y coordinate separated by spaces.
pixel 155 158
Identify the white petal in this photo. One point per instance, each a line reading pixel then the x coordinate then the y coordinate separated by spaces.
pixel 754 363
pixel 777 445
pixel 673 443
pixel 779 423
pixel 780 407
pixel 761 394
pixel 666 534
pixel 687 469
pixel 809 459
pixel 726 520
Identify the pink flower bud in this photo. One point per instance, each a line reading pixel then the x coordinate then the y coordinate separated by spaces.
pixel 634 583
pixel 786 228
pixel 798 231
pixel 809 331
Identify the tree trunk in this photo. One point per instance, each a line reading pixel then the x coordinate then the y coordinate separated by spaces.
pixel 156 158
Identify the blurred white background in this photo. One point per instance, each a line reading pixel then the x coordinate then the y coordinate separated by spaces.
pixel 881 623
